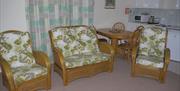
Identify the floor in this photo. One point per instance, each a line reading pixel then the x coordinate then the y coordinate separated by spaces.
pixel 119 80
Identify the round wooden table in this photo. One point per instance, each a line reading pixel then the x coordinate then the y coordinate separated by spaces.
pixel 114 36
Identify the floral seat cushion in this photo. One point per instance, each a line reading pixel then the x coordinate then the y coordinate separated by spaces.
pixel 25 73
pixel 150 61
pixel 15 48
pixel 152 46
pixel 75 40
pixel 85 58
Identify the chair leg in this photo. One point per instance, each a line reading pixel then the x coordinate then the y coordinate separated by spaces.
pixel 65 82
pixel 110 68
pixel 65 79
pixel 162 77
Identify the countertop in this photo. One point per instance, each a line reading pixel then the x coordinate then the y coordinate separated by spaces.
pixel 169 27
pixel 172 27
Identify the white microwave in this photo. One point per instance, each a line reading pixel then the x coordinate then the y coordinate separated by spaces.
pixel 141 18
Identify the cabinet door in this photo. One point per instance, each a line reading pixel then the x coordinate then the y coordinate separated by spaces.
pixel 173 43
pixel 147 3
pixel 170 4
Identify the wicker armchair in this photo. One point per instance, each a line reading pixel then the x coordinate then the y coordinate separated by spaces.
pixel 22 68
pixel 151 57
pixel 77 53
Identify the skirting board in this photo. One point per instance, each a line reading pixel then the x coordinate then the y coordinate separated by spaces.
pixel 174 67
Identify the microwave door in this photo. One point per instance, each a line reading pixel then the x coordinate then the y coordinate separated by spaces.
pixel 137 18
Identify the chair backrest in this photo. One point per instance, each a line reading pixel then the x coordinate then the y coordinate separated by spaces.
pixel 16 48
pixel 153 41
pixel 135 39
pixel 73 40
pixel 118 27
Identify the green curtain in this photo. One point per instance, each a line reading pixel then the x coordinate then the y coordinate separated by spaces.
pixel 43 15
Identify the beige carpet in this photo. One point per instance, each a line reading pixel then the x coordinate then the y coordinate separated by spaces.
pixel 119 80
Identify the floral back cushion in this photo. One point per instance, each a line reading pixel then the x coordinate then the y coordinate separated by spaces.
pixel 152 42
pixel 15 48
pixel 75 40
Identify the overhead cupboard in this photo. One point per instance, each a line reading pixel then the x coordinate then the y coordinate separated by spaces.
pixel 165 4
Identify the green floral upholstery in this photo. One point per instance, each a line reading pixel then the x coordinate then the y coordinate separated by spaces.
pixel 75 40
pixel 85 58
pixel 150 61
pixel 152 46
pixel 16 49
pixel 78 45
pixel 25 73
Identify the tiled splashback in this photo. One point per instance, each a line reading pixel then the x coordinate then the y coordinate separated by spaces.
pixel 167 16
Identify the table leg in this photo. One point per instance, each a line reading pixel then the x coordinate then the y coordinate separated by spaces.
pixel 114 43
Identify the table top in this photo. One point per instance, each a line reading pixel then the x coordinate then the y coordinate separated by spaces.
pixel 116 35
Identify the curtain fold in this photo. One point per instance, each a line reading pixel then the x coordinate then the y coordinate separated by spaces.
pixel 43 15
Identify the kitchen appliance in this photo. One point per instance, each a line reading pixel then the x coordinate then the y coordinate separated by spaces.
pixel 144 17
pixel 153 20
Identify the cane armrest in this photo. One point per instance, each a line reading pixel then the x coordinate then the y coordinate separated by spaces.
pixel 134 53
pixel 106 48
pixel 166 59
pixel 167 56
pixel 59 58
pixel 42 59
pixel 7 71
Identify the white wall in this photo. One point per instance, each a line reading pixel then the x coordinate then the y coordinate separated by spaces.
pixel 12 15
pixel 107 17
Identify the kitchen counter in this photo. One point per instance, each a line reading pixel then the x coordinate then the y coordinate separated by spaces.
pixel 169 27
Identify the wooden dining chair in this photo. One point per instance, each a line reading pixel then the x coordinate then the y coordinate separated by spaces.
pixel 118 27
pixel 99 39
pixel 126 48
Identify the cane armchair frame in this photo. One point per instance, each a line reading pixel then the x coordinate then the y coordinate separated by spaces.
pixel 41 82
pixel 143 70
pixel 70 74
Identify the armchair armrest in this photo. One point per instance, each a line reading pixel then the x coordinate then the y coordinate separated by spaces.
pixel 41 58
pixel 106 48
pixel 166 59
pixel 167 56
pixel 134 53
pixel 59 58
pixel 6 69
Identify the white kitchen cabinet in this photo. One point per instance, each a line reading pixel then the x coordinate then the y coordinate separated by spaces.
pixel 147 3
pixel 173 43
pixel 169 4
pixel 163 4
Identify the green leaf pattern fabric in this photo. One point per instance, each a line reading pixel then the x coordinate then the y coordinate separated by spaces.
pixel 152 45
pixel 78 45
pixel 85 58
pixel 150 61
pixel 75 40
pixel 16 49
pixel 25 73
